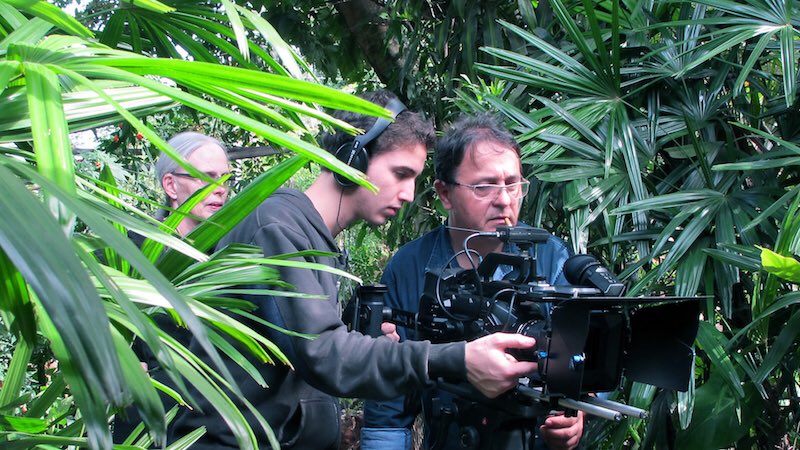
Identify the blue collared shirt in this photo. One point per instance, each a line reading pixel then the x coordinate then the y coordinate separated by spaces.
pixel 404 277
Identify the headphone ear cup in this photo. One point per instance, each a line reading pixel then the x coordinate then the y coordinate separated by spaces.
pixel 355 157
pixel 355 154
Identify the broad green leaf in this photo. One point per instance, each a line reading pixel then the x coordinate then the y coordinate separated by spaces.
pixel 13 424
pixel 785 267
pixel 720 417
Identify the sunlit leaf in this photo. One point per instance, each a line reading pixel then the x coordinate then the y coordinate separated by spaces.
pixel 785 267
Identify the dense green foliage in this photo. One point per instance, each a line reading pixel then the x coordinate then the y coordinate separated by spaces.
pixel 57 78
pixel 664 137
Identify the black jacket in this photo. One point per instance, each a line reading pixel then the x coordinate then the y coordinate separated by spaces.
pixel 300 404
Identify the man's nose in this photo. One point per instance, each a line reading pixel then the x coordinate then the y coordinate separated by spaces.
pixel 503 197
pixel 407 192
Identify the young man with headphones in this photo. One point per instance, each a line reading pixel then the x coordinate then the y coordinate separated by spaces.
pixel 300 402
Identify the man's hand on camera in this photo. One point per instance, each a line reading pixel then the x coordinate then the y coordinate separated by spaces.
pixel 490 369
pixel 562 432
pixel 390 330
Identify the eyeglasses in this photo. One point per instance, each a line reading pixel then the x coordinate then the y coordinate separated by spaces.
pixel 213 176
pixel 484 191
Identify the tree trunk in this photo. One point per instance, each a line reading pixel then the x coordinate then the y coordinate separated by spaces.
pixel 370 31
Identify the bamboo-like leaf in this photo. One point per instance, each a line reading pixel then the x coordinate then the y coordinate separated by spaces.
pixel 128 250
pixel 151 5
pixel 207 234
pixel 751 62
pixel 686 402
pixel 288 56
pixel 91 401
pixel 144 395
pixel 146 131
pixel 687 238
pixel 276 85
pixel 49 126
pixel 741 261
pixel 13 424
pixel 782 345
pixel 783 302
pixel 16 310
pixel 788 63
pixel 83 109
pixel 689 271
pixel 714 345
pixel 271 134
pixel 677 200
pixel 17 370
pixel 52 14
pixel 30 32
pixel 51 393
pixel 41 251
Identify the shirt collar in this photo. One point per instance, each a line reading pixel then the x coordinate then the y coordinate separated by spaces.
pixel 443 252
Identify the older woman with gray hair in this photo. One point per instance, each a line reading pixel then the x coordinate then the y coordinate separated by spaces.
pixel 206 154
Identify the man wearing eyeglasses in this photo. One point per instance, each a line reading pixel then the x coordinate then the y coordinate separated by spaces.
pixel 479 181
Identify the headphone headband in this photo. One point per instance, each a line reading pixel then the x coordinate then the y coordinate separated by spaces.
pixel 395 106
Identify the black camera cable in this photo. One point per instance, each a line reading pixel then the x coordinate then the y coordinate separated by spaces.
pixel 474 268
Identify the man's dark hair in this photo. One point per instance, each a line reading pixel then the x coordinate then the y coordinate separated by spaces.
pixel 464 135
pixel 408 128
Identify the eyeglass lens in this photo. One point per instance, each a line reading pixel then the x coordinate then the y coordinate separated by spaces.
pixel 518 189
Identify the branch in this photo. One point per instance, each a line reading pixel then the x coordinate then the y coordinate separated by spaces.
pixel 370 31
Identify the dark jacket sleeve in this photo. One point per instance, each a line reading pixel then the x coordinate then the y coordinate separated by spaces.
pixel 404 283
pixel 342 363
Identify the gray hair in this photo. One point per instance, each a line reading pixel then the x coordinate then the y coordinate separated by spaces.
pixel 185 144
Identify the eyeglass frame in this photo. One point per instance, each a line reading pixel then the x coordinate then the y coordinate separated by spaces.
pixel 226 183
pixel 524 186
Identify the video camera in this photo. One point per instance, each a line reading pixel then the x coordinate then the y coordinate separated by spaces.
pixel 587 334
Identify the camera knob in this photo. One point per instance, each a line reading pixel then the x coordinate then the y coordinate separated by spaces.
pixel 470 438
pixel 576 362
pixel 542 354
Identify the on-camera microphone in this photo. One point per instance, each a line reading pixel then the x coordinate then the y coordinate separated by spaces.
pixel 522 234
pixel 585 270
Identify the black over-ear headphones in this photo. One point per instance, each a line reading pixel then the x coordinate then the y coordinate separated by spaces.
pixel 355 153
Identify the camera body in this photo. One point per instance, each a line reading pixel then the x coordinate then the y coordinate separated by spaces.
pixel 588 334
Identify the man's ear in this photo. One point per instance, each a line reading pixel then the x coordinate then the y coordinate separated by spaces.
pixel 168 184
pixel 444 191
